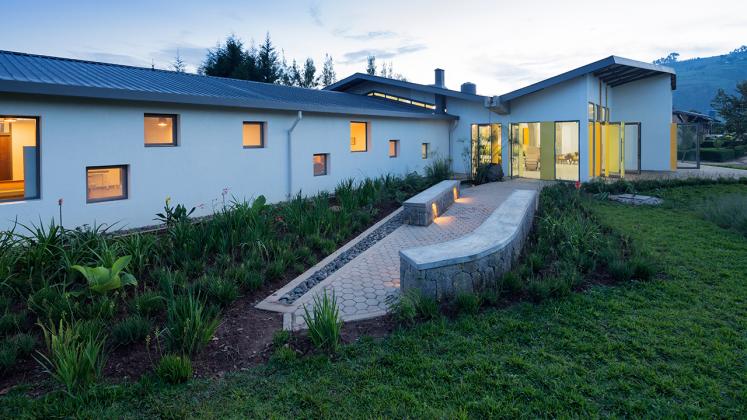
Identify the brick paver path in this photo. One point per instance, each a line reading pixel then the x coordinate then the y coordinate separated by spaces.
pixel 364 286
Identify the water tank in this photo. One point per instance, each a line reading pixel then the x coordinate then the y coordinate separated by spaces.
pixel 470 88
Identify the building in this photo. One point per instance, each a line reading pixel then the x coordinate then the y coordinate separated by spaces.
pixel 104 143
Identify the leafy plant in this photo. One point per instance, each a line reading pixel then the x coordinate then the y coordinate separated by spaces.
pixel 73 359
pixel 174 369
pixel 324 322
pixel 172 215
pixel 130 330
pixel 102 279
pixel 190 324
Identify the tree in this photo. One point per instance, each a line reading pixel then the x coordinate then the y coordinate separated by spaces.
pixel 179 65
pixel 309 74
pixel 371 65
pixel 328 75
pixel 229 60
pixel 293 75
pixel 670 59
pixel 268 66
pixel 733 109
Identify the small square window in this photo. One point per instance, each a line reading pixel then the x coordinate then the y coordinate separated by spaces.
pixel 106 183
pixel 160 130
pixel 254 134
pixel 321 162
pixel 393 148
pixel 358 136
pixel 425 150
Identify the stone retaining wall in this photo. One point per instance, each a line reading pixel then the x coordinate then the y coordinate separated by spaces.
pixel 492 249
pixel 419 210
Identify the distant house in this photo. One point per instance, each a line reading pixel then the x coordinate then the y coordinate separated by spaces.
pixel 114 141
pixel 704 122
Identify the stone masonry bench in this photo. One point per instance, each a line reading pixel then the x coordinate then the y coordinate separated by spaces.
pixel 472 262
pixel 423 208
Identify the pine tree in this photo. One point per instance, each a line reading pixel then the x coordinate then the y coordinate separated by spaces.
pixel 328 75
pixel 268 67
pixel 228 60
pixel 309 74
pixel 371 65
pixel 294 74
pixel 179 65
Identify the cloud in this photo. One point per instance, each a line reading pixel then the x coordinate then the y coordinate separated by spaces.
pixel 364 36
pixel 316 14
pixel 359 55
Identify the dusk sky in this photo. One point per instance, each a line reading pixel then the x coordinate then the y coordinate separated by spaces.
pixel 499 45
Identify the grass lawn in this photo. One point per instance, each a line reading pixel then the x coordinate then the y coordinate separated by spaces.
pixel 674 346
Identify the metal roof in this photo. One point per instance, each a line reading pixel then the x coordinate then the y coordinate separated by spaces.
pixel 44 75
pixel 613 70
pixel 359 78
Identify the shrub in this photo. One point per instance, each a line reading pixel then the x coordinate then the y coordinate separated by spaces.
pixel 438 170
pixel 620 269
pixel 413 305
pixel 324 322
pixel 174 369
pixel 148 304
pixel 130 330
pixel 190 324
pixel 73 359
pixel 716 154
pixel 281 338
pixel 467 303
pixel 643 266
pixel 9 322
pixel 728 212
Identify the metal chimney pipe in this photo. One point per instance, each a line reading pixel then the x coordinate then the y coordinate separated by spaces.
pixel 440 78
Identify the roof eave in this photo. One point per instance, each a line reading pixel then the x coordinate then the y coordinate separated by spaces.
pixel 358 78
pixel 33 88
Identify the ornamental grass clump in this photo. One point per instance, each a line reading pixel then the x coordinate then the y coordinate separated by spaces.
pixel 174 369
pixel 324 322
pixel 190 324
pixel 74 358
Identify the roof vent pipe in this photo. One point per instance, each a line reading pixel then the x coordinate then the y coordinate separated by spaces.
pixel 440 78
pixel 469 88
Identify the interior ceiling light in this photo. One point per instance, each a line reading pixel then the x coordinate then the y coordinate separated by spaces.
pixel 162 122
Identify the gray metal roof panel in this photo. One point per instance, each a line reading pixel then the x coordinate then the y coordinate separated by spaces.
pixel 35 74
pixel 359 78
pixel 613 70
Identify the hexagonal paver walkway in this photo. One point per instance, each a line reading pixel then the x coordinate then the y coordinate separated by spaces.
pixel 364 287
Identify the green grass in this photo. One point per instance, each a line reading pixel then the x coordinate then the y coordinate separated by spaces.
pixel 673 346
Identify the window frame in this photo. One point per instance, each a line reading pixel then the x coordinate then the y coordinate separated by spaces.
pixel 396 148
pixel 38 195
pixel 174 132
pixel 326 164
pixel 367 127
pixel 125 183
pixel 425 150
pixel 262 131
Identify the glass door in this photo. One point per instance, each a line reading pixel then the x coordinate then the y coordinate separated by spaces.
pixel 613 149
pixel 632 151
pixel 485 145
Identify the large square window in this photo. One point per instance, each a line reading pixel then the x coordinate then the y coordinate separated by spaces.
pixel 393 148
pixel 358 136
pixel 321 164
pixel 19 158
pixel 254 134
pixel 106 183
pixel 160 130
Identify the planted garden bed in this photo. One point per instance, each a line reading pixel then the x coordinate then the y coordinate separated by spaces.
pixel 187 290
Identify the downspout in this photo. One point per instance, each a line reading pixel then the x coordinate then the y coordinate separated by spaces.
pixel 288 158
pixel 454 124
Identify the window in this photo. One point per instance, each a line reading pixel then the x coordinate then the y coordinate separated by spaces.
pixel 592 111
pixel 106 183
pixel 401 99
pixel 19 158
pixel 160 130
pixel 393 148
pixel 358 136
pixel 321 161
pixel 425 149
pixel 566 151
pixel 486 145
pixel 253 135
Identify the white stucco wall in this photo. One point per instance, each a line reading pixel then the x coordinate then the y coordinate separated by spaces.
pixel 648 101
pixel 76 133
